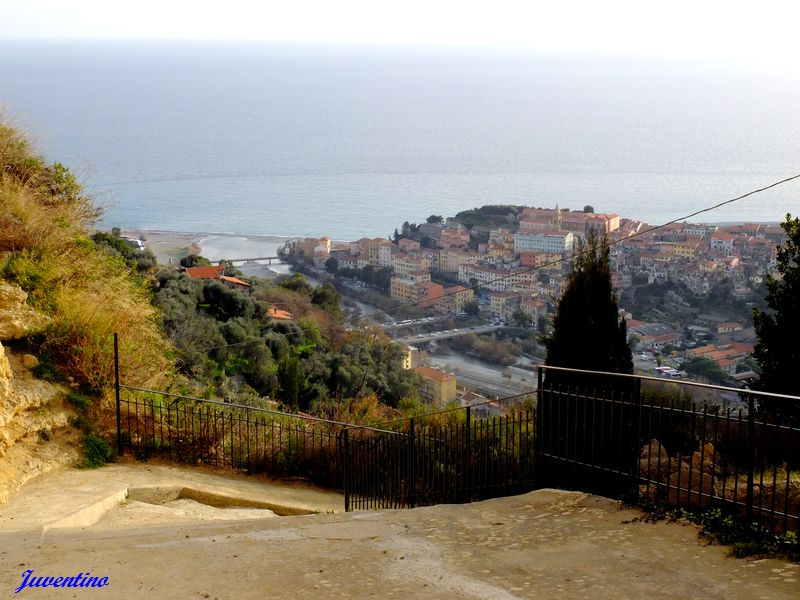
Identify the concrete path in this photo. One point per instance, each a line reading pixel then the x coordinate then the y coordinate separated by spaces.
pixel 546 544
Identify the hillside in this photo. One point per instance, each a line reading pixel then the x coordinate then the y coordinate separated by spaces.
pixel 62 297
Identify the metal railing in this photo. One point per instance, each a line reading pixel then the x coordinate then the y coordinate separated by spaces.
pixel 616 435
pixel 208 432
pixel 454 463
pixel 612 434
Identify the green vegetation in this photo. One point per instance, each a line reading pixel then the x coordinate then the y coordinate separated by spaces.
pixel 705 369
pixel 492 216
pixel 672 302
pixel 522 319
pixel 778 328
pixel 90 288
pixel 96 452
pixel 141 261
pixel 226 339
pixel 471 308
pixel 486 347
pixel 587 330
pixel 745 538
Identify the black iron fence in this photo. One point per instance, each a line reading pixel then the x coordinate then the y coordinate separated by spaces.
pixel 207 432
pixel 459 462
pixel 610 434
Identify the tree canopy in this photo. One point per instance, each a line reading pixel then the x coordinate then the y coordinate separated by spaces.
pixel 587 330
pixel 778 327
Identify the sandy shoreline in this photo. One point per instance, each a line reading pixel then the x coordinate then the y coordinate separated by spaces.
pixel 170 246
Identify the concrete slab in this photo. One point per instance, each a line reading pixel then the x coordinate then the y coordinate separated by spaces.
pixel 546 544
pixel 71 497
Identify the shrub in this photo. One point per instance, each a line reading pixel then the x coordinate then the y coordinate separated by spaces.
pixel 96 452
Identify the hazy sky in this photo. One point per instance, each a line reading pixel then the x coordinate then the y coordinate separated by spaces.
pixel 764 32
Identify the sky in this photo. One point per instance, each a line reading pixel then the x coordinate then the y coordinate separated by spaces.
pixel 760 32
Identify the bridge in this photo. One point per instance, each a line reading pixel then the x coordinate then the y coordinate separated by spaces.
pixel 444 335
pixel 257 259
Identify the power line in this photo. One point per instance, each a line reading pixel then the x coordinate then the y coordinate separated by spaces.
pixel 558 261
pixel 613 243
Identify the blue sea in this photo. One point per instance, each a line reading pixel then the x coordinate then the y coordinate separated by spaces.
pixel 352 141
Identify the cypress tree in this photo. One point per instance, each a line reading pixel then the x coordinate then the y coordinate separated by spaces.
pixel 582 425
pixel 587 330
pixel 778 330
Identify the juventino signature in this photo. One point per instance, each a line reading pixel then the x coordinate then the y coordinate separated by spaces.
pixel 79 580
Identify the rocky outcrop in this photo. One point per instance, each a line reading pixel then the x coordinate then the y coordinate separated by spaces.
pixel 5 375
pixel 17 319
pixel 35 435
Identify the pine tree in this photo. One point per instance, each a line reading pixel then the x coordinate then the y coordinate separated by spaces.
pixel 587 331
pixel 778 329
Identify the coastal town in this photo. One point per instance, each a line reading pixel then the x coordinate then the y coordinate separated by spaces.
pixel 512 268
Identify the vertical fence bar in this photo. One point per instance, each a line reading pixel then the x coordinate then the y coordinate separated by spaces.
pixel 116 390
pixel 412 471
pixel 346 457
pixel 751 450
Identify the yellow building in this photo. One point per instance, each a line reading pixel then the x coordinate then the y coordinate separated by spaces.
pixel 439 387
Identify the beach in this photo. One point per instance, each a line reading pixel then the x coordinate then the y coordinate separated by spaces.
pixel 170 246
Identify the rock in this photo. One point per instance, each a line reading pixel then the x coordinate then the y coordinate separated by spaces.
pixel 690 488
pixel 706 459
pixel 657 470
pixel 653 449
pixel 5 442
pixel 17 319
pixel 29 361
pixel 785 498
pixel 6 374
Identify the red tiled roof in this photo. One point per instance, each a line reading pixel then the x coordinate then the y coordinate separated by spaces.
pixel 211 272
pixel 281 315
pixel 235 280
pixel 434 374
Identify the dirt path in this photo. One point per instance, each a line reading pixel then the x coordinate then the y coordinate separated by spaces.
pixel 545 544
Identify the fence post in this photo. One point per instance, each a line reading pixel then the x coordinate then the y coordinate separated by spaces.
pixel 751 449
pixel 116 390
pixel 540 374
pixel 345 445
pixel 412 466
pixel 466 473
pixel 635 474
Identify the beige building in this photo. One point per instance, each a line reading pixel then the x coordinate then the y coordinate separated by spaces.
pixel 428 294
pixel 416 288
pixel 403 264
pixel 454 299
pixel 503 304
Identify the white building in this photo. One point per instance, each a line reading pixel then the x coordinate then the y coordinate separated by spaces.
pixel 552 242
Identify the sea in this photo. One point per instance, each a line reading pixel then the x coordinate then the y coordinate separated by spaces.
pixel 351 141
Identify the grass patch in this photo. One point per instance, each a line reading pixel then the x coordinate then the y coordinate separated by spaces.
pixel 96 452
pixel 80 401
